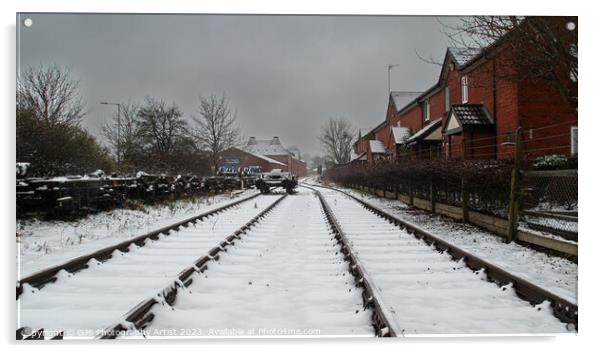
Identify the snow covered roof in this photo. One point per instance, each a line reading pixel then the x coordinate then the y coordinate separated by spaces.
pixel 401 99
pixel 267 159
pixel 426 132
pixel 463 56
pixel 358 157
pixel 267 147
pixel 467 115
pixel 401 134
pixel 376 146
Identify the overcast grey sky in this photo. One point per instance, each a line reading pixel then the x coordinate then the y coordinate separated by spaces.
pixel 285 75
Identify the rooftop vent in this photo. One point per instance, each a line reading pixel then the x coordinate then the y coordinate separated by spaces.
pixel 252 141
pixel 275 141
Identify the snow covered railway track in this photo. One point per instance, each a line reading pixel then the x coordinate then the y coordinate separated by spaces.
pixel 48 275
pixel 80 304
pixel 426 292
pixel 285 276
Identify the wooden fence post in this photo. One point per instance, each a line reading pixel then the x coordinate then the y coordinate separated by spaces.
pixel 515 189
pixel 463 189
pixel 432 191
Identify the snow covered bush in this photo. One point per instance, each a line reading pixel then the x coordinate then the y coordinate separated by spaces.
pixel 550 162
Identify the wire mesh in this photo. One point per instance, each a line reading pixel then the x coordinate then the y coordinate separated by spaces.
pixel 550 201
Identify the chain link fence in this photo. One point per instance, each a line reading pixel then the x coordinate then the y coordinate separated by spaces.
pixel 550 202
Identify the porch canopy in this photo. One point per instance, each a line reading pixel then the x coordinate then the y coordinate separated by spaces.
pixel 461 116
pixel 429 133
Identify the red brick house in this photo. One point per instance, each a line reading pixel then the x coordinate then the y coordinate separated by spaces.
pixel 369 147
pixel 474 110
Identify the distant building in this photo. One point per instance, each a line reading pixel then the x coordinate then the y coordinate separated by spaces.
pixel 273 149
pixel 235 160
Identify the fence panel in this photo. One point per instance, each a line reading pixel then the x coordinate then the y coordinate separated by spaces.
pixel 550 202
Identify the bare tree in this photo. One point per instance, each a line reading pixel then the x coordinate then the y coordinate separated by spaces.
pixel 161 127
pixel 121 132
pixel 48 132
pixel 542 49
pixel 51 95
pixel 336 138
pixel 216 126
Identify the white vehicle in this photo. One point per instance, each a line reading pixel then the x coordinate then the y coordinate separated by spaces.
pixel 276 178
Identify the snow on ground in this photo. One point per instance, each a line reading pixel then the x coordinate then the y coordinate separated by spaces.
pixel 41 244
pixel 426 292
pixel 286 276
pixel 554 273
pixel 83 303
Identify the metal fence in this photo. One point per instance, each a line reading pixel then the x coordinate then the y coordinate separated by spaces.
pixel 550 202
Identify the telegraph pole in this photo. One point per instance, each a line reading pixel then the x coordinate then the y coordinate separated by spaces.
pixel 389 77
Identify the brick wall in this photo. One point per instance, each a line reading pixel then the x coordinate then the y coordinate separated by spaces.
pixel 437 106
pixel 412 118
pixel 540 106
pixel 293 165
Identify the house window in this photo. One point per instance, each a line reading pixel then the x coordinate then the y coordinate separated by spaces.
pixel 573 140
pixel 426 110
pixel 447 100
pixel 464 89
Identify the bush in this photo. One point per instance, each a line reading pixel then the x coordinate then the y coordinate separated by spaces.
pixel 487 182
pixel 60 149
pixel 551 162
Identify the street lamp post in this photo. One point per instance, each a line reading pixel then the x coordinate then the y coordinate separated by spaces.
pixel 389 76
pixel 118 132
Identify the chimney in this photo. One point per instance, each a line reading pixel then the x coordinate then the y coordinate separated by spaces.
pixel 275 141
pixel 252 141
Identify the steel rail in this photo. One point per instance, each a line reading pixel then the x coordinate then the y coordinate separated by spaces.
pixel 42 277
pixel 384 323
pixel 563 309
pixel 139 316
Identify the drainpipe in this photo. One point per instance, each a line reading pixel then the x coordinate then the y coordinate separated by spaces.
pixel 494 109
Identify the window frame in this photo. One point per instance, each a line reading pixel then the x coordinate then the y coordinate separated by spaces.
pixel 427 110
pixel 464 87
pixel 575 141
